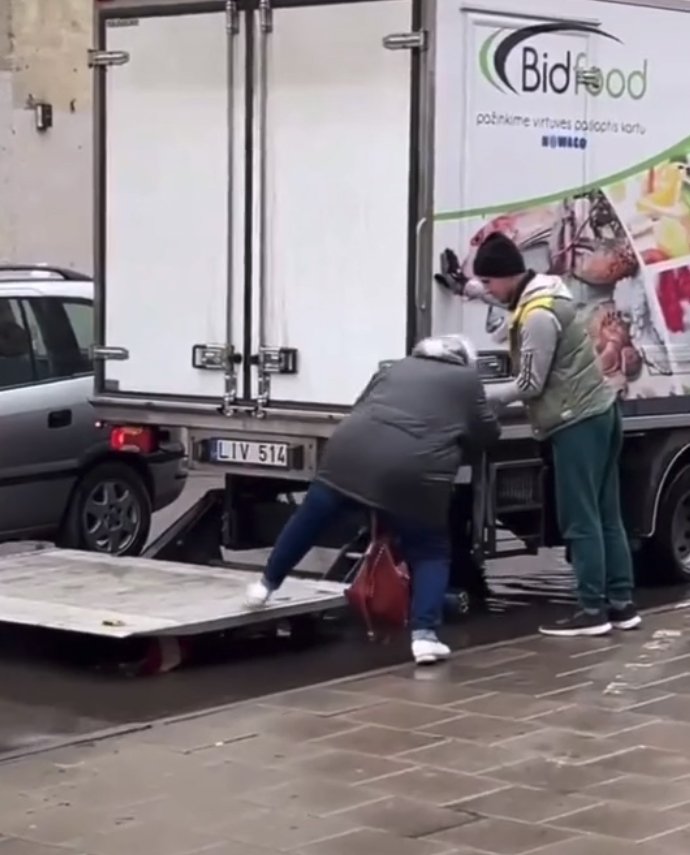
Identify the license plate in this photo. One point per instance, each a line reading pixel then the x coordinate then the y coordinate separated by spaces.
pixel 250 453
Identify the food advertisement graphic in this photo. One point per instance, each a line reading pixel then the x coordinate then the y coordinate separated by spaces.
pixel 569 141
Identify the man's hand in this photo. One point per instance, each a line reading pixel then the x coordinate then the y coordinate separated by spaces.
pixel 501 395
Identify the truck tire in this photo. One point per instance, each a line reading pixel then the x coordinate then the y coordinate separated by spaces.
pixel 666 558
pixel 110 511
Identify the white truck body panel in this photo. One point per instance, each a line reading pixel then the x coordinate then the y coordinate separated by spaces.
pixel 594 186
pixel 590 175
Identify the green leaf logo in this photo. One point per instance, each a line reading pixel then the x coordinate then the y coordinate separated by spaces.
pixel 485 57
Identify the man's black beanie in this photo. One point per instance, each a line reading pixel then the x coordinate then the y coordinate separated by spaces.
pixel 498 258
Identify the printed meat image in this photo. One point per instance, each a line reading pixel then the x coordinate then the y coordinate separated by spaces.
pixel 614 344
pixel 584 240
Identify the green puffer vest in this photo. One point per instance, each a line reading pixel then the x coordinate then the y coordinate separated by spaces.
pixel 575 388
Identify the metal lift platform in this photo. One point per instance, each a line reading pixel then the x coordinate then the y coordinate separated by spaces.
pixel 121 598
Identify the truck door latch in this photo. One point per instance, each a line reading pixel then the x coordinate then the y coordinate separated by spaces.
pixel 416 40
pixel 214 357
pixel 591 78
pixel 107 58
pixel 105 353
pixel 276 360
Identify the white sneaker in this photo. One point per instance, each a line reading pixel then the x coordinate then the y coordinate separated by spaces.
pixel 257 595
pixel 427 651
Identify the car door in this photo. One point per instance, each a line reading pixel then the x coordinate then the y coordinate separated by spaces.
pixel 46 420
pixel 74 317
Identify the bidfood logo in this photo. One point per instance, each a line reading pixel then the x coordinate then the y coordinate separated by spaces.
pixel 517 63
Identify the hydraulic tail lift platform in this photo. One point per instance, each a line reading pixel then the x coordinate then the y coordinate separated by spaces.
pixel 122 598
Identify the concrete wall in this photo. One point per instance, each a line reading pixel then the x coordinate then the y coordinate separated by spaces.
pixel 45 178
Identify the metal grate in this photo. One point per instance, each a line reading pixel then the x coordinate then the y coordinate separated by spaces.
pixel 518 486
pixel 515 487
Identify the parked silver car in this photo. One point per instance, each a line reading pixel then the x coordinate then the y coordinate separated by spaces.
pixel 63 476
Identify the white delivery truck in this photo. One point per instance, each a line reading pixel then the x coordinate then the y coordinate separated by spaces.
pixel 290 192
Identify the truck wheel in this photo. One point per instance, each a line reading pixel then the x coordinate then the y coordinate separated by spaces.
pixel 110 511
pixel 668 552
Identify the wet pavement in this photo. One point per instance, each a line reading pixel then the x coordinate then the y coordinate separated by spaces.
pixel 554 747
pixel 57 688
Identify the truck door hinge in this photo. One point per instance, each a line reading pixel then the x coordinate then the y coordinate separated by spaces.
pixel 265 16
pixel 106 58
pixel 416 40
pixel 232 17
pixel 270 361
pixel 109 354
pixel 220 357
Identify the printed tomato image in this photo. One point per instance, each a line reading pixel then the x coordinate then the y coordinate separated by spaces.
pixel 683 283
pixel 653 256
pixel 673 294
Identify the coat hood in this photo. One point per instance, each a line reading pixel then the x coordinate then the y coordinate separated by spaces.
pixel 456 349
pixel 542 285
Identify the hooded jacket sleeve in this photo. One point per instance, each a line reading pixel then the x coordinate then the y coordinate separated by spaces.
pixel 538 341
pixel 483 428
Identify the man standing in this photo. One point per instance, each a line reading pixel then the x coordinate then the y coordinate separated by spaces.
pixel 568 402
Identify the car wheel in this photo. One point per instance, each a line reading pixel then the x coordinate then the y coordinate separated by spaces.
pixel 668 552
pixel 110 511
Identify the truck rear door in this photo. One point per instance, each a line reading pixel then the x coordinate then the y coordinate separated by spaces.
pixel 255 200
pixel 166 147
pixel 331 272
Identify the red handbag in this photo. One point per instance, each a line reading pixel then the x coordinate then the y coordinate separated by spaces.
pixel 380 591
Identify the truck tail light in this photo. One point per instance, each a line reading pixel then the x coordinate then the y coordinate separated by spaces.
pixel 132 438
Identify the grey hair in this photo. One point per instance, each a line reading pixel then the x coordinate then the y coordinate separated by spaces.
pixel 447 347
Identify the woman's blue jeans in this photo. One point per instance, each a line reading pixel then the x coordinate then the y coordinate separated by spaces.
pixel 425 550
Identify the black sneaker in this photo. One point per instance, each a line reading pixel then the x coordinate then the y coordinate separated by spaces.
pixel 625 618
pixel 581 624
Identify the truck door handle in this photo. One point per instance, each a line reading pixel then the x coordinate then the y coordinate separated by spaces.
pixel 59 418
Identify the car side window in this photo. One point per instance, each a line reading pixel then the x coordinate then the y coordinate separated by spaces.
pixel 80 316
pixel 43 364
pixel 16 359
pixel 56 348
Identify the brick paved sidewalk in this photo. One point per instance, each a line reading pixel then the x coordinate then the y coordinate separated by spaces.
pixel 558 747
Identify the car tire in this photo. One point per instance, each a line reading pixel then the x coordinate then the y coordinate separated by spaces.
pixel 665 558
pixel 110 511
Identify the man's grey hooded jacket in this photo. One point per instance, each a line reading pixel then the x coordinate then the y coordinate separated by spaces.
pixel 401 448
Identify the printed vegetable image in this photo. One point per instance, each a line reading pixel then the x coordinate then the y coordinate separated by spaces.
pixel 673 294
pixel 663 189
pixel 672 237
pixel 658 213
pixel 654 255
